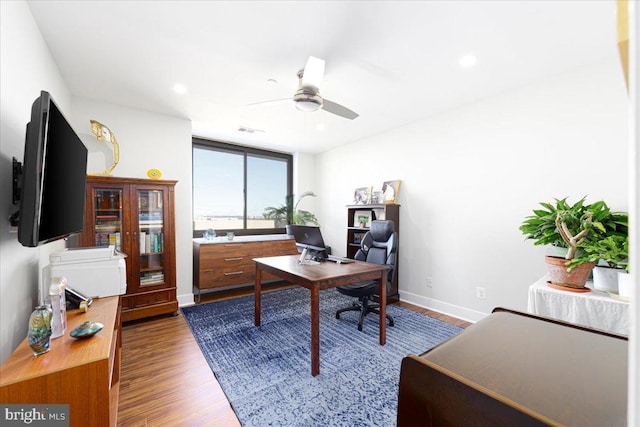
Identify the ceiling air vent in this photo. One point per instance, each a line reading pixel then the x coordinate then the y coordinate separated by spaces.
pixel 247 129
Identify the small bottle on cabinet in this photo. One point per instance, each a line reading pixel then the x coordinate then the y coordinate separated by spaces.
pixel 58 306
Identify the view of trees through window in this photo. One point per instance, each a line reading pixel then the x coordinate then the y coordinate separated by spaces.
pixel 234 185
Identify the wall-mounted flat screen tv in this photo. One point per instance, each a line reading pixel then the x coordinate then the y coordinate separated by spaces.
pixel 54 176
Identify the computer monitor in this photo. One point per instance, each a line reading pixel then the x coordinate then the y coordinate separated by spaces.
pixel 309 239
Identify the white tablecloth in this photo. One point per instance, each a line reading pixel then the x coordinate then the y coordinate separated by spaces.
pixel 594 309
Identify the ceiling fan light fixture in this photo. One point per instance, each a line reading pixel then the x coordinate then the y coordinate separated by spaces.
pixel 307 105
pixel 307 101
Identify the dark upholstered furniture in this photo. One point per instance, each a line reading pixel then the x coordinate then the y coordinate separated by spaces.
pixel 379 246
pixel 517 369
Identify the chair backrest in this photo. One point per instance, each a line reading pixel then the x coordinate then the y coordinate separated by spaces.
pixel 379 245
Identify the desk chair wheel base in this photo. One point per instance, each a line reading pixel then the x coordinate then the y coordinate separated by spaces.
pixel 365 307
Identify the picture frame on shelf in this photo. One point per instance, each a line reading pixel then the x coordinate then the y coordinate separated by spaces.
pixel 362 219
pixel 390 190
pixel 362 196
pixel 376 197
pixel 357 238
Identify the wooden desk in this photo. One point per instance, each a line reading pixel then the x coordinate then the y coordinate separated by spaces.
pixel 515 369
pixel 316 278
pixel 85 374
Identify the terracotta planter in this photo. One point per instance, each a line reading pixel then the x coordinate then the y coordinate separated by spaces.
pixel 576 278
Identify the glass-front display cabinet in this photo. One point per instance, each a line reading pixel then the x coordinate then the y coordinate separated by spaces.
pixel 137 217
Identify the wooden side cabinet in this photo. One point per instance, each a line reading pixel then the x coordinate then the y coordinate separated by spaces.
pixel 355 233
pixel 221 263
pixel 137 217
pixel 85 374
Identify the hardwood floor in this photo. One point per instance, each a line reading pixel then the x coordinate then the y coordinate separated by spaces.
pixel 166 381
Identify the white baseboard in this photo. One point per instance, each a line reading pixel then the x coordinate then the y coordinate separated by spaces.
pixel 443 307
pixel 462 313
pixel 185 300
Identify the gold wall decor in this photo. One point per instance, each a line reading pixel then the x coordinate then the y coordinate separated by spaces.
pixel 623 37
pixel 104 134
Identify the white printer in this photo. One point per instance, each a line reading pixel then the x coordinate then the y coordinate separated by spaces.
pixel 94 272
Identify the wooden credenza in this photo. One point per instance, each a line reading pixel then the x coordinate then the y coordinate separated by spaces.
pixel 222 263
pixel 85 374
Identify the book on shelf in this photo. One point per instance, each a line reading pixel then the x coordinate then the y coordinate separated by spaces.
pixel 152 277
pixel 108 239
pixel 150 215
pixel 151 242
pixel 107 226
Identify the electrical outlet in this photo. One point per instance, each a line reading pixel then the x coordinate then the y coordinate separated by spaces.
pixel 481 293
pixel 429 282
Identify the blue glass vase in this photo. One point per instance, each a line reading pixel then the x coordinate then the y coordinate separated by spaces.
pixel 39 336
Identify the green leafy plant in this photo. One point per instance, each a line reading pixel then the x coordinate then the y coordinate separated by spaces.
pixel 289 213
pixel 573 226
pixel 613 250
pixel 542 226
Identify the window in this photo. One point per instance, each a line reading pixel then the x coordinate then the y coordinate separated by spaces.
pixel 234 185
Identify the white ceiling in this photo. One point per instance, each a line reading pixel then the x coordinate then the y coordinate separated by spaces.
pixel 392 62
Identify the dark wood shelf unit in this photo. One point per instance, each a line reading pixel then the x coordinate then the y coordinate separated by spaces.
pixel 387 211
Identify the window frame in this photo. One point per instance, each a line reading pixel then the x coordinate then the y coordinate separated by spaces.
pixel 245 151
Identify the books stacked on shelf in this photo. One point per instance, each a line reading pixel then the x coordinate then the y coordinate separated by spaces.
pixel 150 220
pixel 151 242
pixel 151 278
pixel 107 222
pixel 108 239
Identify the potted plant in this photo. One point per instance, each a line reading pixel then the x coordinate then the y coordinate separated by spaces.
pixel 610 255
pixel 567 226
pixel 289 213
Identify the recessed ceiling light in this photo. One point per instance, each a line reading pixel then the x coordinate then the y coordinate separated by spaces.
pixel 467 61
pixel 272 82
pixel 179 88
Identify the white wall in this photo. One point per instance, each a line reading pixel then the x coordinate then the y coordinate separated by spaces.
pixel 150 140
pixel 304 179
pixel 633 418
pixel 26 68
pixel 471 175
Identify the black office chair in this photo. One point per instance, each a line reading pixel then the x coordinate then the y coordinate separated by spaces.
pixel 379 245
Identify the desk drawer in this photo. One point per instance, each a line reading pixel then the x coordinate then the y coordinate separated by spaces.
pixel 150 298
pixel 224 254
pixel 227 276
pixel 279 247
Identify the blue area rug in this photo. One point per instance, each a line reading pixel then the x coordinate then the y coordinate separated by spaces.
pixel 266 371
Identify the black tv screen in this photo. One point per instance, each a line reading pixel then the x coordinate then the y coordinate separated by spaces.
pixel 54 175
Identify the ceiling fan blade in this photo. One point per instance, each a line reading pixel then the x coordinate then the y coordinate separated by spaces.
pixel 269 103
pixel 338 109
pixel 313 73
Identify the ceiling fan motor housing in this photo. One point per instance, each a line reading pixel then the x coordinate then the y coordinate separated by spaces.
pixel 307 100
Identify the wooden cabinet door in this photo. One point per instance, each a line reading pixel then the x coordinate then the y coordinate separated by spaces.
pixel 152 244
pixel 107 218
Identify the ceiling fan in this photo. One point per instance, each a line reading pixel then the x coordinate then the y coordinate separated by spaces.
pixel 307 97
